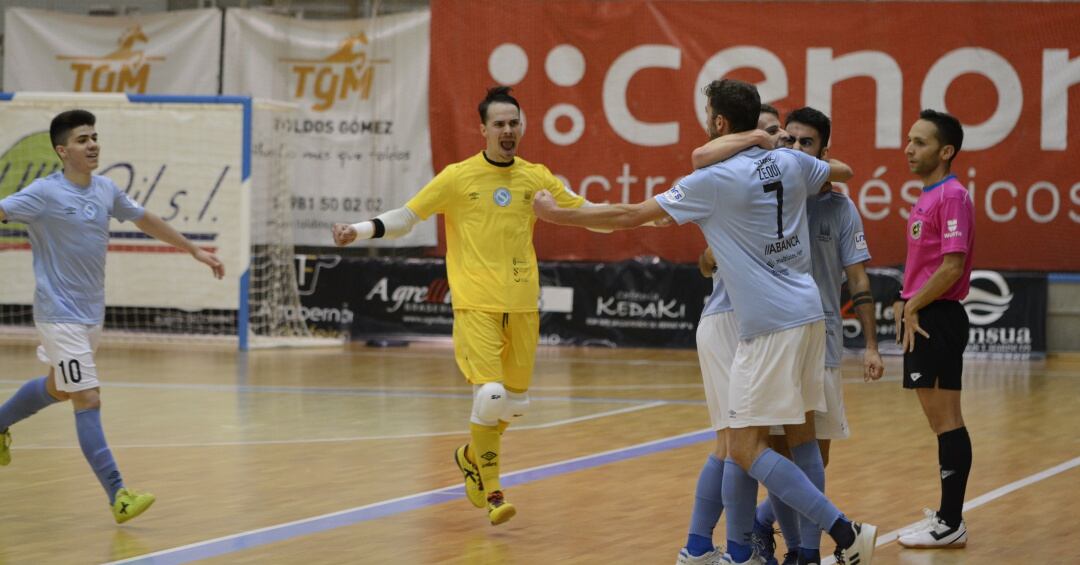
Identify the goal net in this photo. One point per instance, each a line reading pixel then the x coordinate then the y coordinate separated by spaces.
pixel 212 167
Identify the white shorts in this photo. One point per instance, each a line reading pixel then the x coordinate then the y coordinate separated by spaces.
pixel 831 424
pixel 69 350
pixel 717 338
pixel 776 378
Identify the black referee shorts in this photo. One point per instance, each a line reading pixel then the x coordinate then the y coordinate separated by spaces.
pixel 938 362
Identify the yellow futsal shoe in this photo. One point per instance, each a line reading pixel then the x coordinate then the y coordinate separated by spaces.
pixel 474 487
pixel 128 504
pixel 499 510
pixel 5 448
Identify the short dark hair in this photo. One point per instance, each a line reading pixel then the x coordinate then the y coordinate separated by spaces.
pixel 949 131
pixel 64 122
pixel 737 101
pixel 769 109
pixel 496 94
pixel 813 118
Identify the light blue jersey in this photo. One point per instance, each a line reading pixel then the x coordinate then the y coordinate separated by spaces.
pixel 69 235
pixel 752 211
pixel 838 242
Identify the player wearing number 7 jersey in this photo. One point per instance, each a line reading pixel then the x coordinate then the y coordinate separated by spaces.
pixel 752 211
pixel 67 218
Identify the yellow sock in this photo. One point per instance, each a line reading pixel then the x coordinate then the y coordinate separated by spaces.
pixel 485 451
pixel 503 425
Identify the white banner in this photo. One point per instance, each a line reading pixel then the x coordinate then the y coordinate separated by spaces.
pixel 167 53
pixel 181 161
pixel 362 143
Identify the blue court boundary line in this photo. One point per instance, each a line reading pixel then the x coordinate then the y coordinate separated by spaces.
pixel 281 532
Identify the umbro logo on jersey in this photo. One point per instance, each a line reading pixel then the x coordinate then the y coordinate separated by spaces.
pixel 674 194
pixel 70 210
pixel 915 377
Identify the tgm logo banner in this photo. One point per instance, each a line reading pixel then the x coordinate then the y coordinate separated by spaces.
pixel 612 96
pixel 359 135
pixel 166 53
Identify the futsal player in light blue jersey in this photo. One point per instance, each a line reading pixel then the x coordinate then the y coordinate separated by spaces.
pixel 67 215
pixel 752 211
pixel 838 249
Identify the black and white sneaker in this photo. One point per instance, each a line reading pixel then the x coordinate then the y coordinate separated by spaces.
pixel 936 535
pixel 862 551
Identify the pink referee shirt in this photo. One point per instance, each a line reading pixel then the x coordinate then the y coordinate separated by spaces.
pixel 942 221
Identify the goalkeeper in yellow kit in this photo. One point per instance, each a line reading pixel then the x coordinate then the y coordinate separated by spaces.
pixel 494 281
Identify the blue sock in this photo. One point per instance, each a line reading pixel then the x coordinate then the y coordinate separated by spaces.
pixel 765 515
pixel 788 519
pixel 96 451
pixel 740 498
pixel 784 479
pixel 808 457
pixel 708 505
pixel 31 397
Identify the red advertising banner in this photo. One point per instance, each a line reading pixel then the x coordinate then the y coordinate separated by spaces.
pixel 611 93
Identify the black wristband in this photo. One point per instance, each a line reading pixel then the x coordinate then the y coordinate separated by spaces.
pixel 380 229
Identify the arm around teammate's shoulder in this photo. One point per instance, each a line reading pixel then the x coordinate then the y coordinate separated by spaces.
pixel 839 171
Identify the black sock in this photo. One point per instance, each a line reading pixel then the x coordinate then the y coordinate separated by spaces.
pixel 842 533
pixel 954 456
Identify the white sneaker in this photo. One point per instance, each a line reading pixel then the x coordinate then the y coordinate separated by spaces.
pixel 929 517
pixel 713 557
pixel 936 535
pixel 862 551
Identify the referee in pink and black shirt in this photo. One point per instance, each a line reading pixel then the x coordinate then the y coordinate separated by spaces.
pixel 933 326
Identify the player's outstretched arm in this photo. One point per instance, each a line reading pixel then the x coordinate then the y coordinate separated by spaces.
pixel 151 224
pixel 600 216
pixel 391 225
pixel 726 146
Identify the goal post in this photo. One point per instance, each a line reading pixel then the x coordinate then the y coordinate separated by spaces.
pixel 190 160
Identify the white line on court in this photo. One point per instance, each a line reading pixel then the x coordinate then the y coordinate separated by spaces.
pixel 553 424
pixel 983 499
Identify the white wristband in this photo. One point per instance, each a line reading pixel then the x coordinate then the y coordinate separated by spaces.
pixel 364 230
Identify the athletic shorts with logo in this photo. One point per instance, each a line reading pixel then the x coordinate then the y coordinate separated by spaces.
pixel 496 346
pixel 69 350
pixel 777 377
pixel 717 339
pixel 938 362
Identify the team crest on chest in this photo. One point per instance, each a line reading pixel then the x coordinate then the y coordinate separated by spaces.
pixel 916 229
pixel 502 196
pixel 89 210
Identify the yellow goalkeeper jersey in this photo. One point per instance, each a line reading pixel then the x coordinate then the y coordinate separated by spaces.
pixel 490 259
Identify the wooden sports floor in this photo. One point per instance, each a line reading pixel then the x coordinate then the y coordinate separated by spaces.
pixel 344 456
